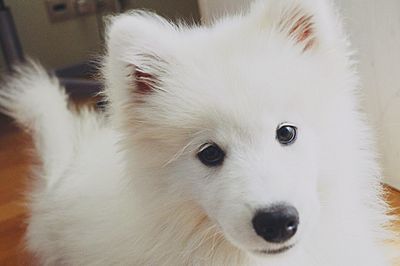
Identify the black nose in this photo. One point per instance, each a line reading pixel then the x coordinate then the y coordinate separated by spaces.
pixel 276 224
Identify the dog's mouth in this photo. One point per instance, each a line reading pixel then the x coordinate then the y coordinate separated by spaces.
pixel 273 251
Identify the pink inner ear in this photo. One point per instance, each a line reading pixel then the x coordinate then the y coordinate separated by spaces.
pixel 303 31
pixel 144 82
pixel 302 28
pixel 299 26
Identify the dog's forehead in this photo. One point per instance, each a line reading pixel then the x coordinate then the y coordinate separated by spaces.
pixel 246 80
pixel 250 77
pixel 244 64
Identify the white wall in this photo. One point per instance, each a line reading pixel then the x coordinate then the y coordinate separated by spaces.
pixel 374 29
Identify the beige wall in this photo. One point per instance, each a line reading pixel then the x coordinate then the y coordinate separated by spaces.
pixel 186 9
pixel 72 41
pixel 55 44
pixel 374 29
pixel 211 9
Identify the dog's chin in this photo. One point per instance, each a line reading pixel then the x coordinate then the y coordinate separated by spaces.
pixel 272 251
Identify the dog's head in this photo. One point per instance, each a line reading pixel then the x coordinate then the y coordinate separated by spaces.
pixel 239 116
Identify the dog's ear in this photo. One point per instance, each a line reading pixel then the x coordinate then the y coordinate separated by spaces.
pixel 307 23
pixel 139 55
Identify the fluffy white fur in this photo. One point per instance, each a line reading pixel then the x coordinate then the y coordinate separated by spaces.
pixel 128 189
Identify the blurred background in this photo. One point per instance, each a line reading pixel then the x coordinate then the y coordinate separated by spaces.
pixel 66 32
pixel 66 36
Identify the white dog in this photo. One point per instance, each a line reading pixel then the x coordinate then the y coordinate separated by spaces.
pixel 235 144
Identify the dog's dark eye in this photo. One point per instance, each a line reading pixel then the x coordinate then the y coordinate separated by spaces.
pixel 286 134
pixel 211 155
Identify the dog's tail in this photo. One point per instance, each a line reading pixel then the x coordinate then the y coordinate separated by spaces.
pixel 39 104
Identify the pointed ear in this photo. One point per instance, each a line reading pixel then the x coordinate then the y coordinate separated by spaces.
pixel 308 23
pixel 139 52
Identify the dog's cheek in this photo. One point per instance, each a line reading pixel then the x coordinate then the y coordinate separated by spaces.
pixel 225 204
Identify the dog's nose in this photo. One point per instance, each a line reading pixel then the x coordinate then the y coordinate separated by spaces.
pixel 276 224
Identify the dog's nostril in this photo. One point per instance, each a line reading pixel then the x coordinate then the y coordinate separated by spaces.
pixel 276 224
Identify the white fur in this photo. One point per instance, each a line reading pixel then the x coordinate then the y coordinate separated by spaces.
pixel 128 189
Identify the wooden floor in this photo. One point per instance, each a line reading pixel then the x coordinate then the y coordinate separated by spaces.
pixel 14 163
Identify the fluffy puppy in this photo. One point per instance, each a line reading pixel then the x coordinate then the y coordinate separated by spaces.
pixel 240 143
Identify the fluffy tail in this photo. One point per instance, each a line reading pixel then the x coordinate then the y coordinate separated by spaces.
pixel 39 104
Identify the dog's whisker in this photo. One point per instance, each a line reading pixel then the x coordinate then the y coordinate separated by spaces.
pixel 182 150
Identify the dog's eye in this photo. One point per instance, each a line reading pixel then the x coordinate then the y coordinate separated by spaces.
pixel 211 155
pixel 286 134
